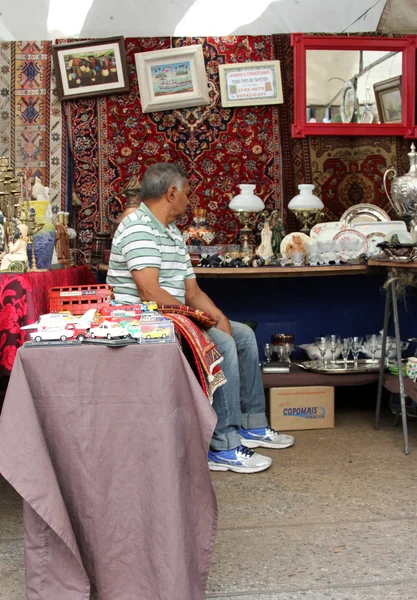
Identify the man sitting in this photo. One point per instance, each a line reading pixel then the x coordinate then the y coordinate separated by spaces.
pixel 149 261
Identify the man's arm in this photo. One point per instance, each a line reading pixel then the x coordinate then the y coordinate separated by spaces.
pixel 147 282
pixel 195 297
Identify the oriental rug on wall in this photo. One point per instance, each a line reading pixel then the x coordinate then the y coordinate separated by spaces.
pixel 114 142
pixel 31 133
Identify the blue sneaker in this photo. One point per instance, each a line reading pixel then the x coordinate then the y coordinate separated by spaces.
pixel 264 437
pixel 238 460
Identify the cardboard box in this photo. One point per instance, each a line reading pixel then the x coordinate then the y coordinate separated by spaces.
pixel 309 407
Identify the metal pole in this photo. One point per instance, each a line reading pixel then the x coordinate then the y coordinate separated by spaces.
pixel 382 359
pixel 400 366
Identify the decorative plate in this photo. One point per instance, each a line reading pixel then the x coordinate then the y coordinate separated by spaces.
pixel 326 231
pixel 373 239
pixel 289 240
pixel 384 227
pixel 357 240
pixel 363 212
pixel 348 102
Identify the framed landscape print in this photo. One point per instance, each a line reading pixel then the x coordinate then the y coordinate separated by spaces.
pixel 388 100
pixel 251 84
pixel 92 68
pixel 173 78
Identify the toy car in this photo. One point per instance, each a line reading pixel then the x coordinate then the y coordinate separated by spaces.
pixel 158 333
pixel 108 330
pixel 51 333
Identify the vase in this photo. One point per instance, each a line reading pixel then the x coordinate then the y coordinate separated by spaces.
pixel 44 244
pixel 199 233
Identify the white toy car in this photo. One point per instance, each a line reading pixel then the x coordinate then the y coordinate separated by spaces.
pixel 108 330
pixel 51 333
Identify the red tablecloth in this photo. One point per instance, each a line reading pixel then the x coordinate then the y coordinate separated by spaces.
pixel 23 297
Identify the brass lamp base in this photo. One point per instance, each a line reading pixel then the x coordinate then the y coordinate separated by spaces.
pixel 308 217
pixel 246 218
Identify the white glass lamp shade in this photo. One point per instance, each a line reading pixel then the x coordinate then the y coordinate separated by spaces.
pixel 246 200
pixel 305 200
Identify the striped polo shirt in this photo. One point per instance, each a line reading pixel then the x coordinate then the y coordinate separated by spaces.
pixel 142 241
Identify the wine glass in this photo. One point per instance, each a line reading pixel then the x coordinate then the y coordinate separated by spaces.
pixel 389 342
pixel 268 350
pixel 356 347
pixel 373 342
pixel 334 343
pixel 322 344
pixel 346 345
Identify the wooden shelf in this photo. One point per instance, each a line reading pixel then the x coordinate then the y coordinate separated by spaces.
pixel 265 272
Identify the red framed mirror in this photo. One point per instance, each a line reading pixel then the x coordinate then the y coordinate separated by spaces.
pixel 354 85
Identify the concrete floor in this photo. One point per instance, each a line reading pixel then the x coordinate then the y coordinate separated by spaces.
pixel 334 518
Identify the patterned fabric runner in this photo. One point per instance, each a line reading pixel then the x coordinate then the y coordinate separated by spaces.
pixel 204 353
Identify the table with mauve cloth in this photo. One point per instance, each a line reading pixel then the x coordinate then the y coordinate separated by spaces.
pixel 108 448
pixel 23 297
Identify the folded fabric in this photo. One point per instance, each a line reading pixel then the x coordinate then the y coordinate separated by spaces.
pixel 201 352
pixel 198 316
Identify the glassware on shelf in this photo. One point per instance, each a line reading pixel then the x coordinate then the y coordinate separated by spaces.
pixel 199 233
pixel 389 342
pixel 268 350
pixel 373 342
pixel 346 347
pixel 322 344
pixel 356 347
pixel 334 344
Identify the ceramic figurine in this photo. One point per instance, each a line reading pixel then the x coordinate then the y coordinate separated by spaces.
pixel 17 249
pixel 278 231
pixel 296 246
pixel 265 250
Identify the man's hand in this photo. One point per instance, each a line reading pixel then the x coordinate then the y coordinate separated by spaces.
pixel 224 325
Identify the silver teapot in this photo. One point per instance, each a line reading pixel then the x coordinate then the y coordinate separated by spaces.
pixel 404 190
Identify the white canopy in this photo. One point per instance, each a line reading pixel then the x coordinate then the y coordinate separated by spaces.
pixel 50 19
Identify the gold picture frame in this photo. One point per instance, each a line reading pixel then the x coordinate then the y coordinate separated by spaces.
pixel 251 84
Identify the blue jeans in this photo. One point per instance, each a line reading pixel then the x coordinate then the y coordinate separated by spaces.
pixel 241 401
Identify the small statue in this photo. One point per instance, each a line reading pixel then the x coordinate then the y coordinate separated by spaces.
pixel 278 231
pixel 62 247
pixel 17 248
pixel 265 250
pixel 296 246
pixel 39 192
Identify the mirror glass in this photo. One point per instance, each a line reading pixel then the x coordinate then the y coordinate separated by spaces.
pixel 354 86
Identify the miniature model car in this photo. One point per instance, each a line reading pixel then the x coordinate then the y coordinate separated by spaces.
pixel 51 333
pixel 133 328
pixel 157 333
pixel 108 330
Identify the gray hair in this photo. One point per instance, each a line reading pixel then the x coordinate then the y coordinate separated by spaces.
pixel 159 177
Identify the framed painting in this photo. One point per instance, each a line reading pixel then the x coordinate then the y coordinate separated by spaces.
pixel 251 84
pixel 173 78
pixel 388 100
pixel 91 68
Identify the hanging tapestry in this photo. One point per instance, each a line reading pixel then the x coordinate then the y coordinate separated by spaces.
pixel 31 133
pixel 114 142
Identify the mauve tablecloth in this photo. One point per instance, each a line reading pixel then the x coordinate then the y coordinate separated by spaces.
pixel 108 448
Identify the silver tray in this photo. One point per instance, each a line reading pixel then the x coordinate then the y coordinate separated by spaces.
pixel 365 365
pixel 364 212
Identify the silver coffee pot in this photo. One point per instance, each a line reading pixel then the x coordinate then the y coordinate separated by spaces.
pixel 404 191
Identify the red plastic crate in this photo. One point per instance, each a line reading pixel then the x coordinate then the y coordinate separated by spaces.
pixel 77 299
